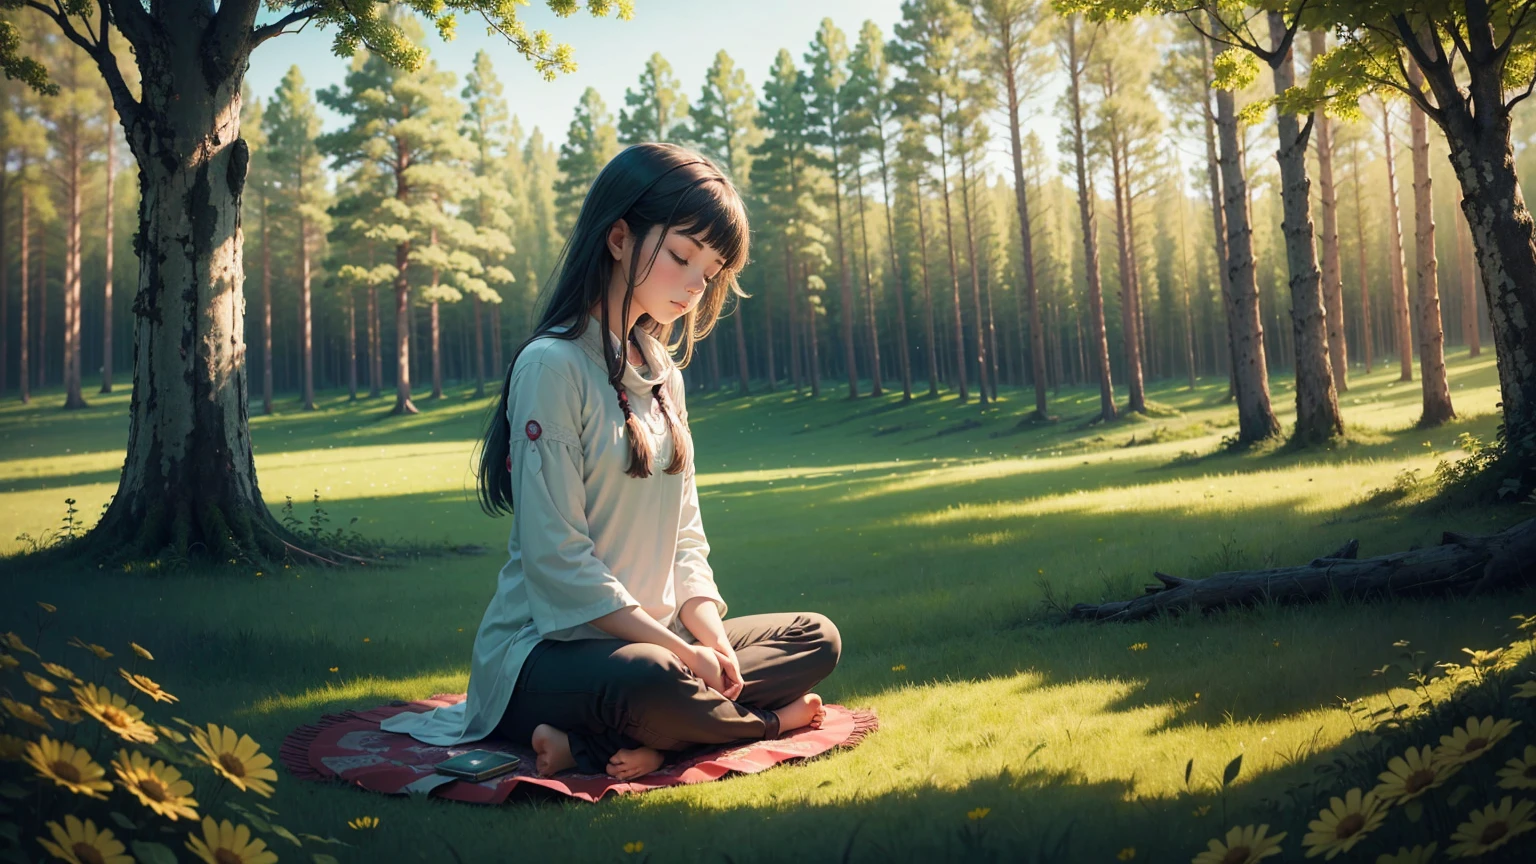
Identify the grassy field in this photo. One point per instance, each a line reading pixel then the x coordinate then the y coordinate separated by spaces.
pixel 941 538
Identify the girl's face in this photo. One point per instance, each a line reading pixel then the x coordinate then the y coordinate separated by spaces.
pixel 677 279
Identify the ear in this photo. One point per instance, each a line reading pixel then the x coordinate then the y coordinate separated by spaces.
pixel 618 233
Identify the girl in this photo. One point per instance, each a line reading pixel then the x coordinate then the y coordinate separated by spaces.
pixel 605 643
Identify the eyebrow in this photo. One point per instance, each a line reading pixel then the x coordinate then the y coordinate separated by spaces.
pixel 720 261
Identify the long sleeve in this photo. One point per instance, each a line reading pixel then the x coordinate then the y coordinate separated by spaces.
pixel 567 583
pixel 692 575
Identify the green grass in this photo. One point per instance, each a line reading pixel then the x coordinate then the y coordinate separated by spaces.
pixel 936 548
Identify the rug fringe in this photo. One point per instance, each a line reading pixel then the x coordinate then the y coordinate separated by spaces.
pixel 294 752
pixel 865 721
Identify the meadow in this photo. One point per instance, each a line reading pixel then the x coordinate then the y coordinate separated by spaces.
pixel 943 539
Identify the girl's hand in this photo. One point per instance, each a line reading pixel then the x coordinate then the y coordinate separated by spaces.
pixel 730 668
pixel 705 663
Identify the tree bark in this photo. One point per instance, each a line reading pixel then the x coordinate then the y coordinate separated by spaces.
pixel 1460 565
pixel 1365 284
pixel 22 376
pixel 5 275
pixel 1470 331
pixel 42 305
pixel 106 288
pixel 479 345
pixel 954 268
pixel 1333 279
pixel 849 308
pixel 931 349
pixel 306 309
pixel 1255 418
pixel 903 350
pixel 375 346
pixel 1076 63
pixel 743 370
pixel 1317 402
pixel 983 378
pixel 810 321
pixel 1402 326
pixel 435 331
pixel 266 310
pixel 876 387
pixel 1129 325
pixel 1026 243
pixel 794 319
pixel 1219 222
pixel 1437 390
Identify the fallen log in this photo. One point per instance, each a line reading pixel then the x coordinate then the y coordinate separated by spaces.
pixel 1461 564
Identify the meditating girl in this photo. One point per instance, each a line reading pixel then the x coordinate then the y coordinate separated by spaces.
pixel 606 642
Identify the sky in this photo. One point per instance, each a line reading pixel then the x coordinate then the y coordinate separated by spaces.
pixel 611 53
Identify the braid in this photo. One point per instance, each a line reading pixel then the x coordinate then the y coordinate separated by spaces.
pixel 680 444
pixel 640 454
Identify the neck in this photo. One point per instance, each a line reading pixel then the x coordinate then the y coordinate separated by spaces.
pixel 616 325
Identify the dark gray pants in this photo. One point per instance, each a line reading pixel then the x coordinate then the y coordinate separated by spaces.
pixel 609 694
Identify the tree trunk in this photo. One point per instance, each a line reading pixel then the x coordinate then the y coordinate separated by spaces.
pixel 351 345
pixel 1333 279
pixel 1075 67
pixel 403 403
pixel 1219 224
pixel 849 309
pixel 266 311
pixel 876 386
pixel 903 350
pixel 1437 390
pixel 1027 246
pixel 435 330
pixel 1255 418
pixel 375 346
pixel 496 338
pixel 1130 341
pixel 773 373
pixel 1460 565
pixel 810 320
pixel 73 396
pixel 794 319
pixel 306 312
pixel 106 288
pixel 931 349
pixel 1470 336
pixel 42 305
pixel 22 377
pixel 1396 266
pixel 479 344
pixel 1317 402
pixel 5 279
pixel 1365 284
pixel 743 370
pixel 954 267
pixel 982 377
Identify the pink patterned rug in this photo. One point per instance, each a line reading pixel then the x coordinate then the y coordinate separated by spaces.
pixel 351 747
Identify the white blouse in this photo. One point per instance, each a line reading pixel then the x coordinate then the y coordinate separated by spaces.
pixel 587 539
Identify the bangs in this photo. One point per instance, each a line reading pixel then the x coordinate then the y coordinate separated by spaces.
pixel 712 213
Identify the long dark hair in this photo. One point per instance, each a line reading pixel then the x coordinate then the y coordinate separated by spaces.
pixel 646 185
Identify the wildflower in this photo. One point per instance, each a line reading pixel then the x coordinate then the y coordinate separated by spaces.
pixel 61 672
pixel 1466 744
pixel 1404 855
pixel 158 786
pixel 366 639
pixel 25 713
pixel 1343 823
pixel 227 843
pixel 115 713
pixel 68 766
pixel 168 732
pixel 1412 774
pixel 13 642
pixel 335 668
pixel 140 650
pixel 1519 773
pixel 632 848
pixel 100 652
pixel 83 843
pixel 1244 845
pixel 899 667
pixel 61 709
pixel 39 683
pixel 364 822
pixel 146 686
pixel 1139 646
pixel 978 813
pixel 1491 827
pixel 236 757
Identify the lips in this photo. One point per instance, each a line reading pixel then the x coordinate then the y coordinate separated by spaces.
pixel 681 307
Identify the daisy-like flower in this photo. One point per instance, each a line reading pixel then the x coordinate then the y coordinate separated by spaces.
pixel 13 642
pixel 12 748
pixel 1467 743
pixel 362 823
pixel 141 651
pixel 1491 827
pixel 1412 774
pixel 61 709
pixel 146 686
pixel 168 732
pixel 25 713
pixel 228 843
pixel 1343 823
pixel 238 758
pixel 68 766
pixel 1520 772
pixel 1404 855
pixel 1245 844
pixel 8 662
pixel 115 713
pixel 158 786
pixel 100 652
pixel 61 672
pixel 83 843
pixel 39 683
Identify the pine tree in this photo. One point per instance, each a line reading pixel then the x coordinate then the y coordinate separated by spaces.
pixel 656 110
pixel 590 141
pixel 827 60
pixel 489 210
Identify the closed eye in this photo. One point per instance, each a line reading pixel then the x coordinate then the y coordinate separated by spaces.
pixel 675 257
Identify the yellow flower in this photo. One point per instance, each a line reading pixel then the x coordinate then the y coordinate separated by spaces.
pixel 47 607
pixel 146 686
pixel 1412 774
pixel 115 713
pixel 39 683
pixel 364 823
pixel 237 758
pixel 1520 773
pixel 1202 810
pixel 25 713
pixel 61 709
pixel 158 786
pixel 978 813
pixel 100 652
pixel 1139 646
pixel 1404 855
pixel 61 672
pixel 335 668
pixel 141 651
pixel 82 843
pixel 1244 845
pixel 226 843
pixel 632 848
pixel 168 732
pixel 1126 854
pixel 1491 827
pixel 68 766
pixel 13 642
pixel 1343 823
pixel 12 748
pixel 1525 690
pixel 1466 744
pixel 899 667
pixel 8 662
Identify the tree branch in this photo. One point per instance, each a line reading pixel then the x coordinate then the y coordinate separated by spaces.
pixel 131 20
pixel 265 32
pixel 229 38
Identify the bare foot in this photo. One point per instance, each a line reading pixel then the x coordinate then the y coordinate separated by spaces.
pixel 629 764
pixel 805 711
pixel 554 750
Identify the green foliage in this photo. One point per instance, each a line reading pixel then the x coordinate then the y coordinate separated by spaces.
pixel 656 110
pixel 725 119
pixel 590 142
